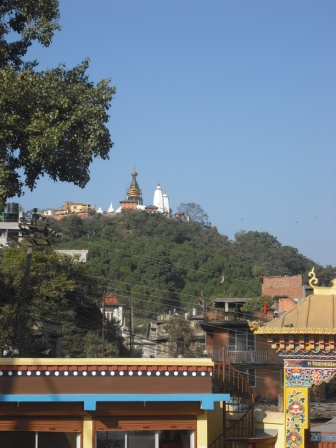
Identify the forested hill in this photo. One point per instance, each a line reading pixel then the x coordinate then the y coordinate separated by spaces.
pixel 163 263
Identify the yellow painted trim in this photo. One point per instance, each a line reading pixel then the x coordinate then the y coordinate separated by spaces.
pixel 324 290
pixel 87 432
pixel 198 362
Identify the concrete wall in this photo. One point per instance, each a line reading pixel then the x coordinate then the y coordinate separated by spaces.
pixel 271 420
pixel 268 383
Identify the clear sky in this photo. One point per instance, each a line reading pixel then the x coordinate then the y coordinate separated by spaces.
pixel 227 103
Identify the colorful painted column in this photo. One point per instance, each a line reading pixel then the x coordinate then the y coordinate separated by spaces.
pixel 296 416
pixel 300 375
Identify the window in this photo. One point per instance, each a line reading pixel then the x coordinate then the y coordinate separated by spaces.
pixel 241 340
pixel 144 439
pixel 107 439
pixel 32 439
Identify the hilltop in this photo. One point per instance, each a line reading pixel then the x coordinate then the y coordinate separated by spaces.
pixel 162 263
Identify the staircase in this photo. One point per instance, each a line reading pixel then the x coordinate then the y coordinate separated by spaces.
pixel 227 379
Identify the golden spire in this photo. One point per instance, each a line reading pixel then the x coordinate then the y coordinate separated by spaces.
pixel 134 192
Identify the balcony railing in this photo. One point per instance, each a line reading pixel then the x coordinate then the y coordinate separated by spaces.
pixel 236 316
pixel 238 356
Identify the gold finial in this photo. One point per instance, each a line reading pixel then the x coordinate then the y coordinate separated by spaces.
pixel 313 281
pixel 253 325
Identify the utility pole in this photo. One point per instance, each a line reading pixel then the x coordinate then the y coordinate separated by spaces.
pixel 103 328
pixel 131 329
pixel 30 229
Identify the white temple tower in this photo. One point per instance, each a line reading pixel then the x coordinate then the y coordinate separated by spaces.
pixel 158 199
pixel 166 207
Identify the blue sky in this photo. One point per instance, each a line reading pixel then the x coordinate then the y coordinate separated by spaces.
pixel 230 104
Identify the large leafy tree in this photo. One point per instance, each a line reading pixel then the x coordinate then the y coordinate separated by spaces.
pixel 59 292
pixel 52 122
pixel 194 211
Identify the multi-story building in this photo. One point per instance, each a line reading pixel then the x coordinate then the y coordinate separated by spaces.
pixel 229 340
pixel 82 209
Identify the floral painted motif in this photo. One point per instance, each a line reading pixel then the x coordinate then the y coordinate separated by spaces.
pixel 307 376
pixel 296 409
pixel 293 439
pixel 307 354
pixel 295 418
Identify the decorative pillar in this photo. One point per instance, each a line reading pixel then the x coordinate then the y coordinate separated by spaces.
pixel 88 432
pixel 202 430
pixel 300 375
pixel 296 416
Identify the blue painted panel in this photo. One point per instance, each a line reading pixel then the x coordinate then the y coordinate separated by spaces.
pixel 90 400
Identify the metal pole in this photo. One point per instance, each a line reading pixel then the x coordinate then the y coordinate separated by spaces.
pixel 103 328
pixel 131 329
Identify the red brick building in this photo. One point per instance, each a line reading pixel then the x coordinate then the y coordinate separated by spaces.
pixel 290 286
pixel 229 339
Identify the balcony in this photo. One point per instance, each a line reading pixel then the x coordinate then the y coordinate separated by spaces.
pixel 236 316
pixel 238 356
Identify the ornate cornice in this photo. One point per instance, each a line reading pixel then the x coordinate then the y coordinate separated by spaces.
pixel 290 330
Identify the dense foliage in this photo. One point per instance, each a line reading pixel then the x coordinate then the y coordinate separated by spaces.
pixel 163 263
pixel 59 292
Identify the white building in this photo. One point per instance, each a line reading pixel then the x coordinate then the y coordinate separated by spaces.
pixel 158 199
pixel 80 254
pixel 166 207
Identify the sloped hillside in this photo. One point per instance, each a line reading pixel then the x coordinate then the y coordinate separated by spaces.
pixel 162 263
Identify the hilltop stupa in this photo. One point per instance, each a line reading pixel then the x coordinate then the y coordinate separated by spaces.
pixel 133 196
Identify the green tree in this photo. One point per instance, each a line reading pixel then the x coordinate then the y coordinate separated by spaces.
pixel 194 211
pixel 257 304
pixel 51 122
pixel 59 292
pixel 181 335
